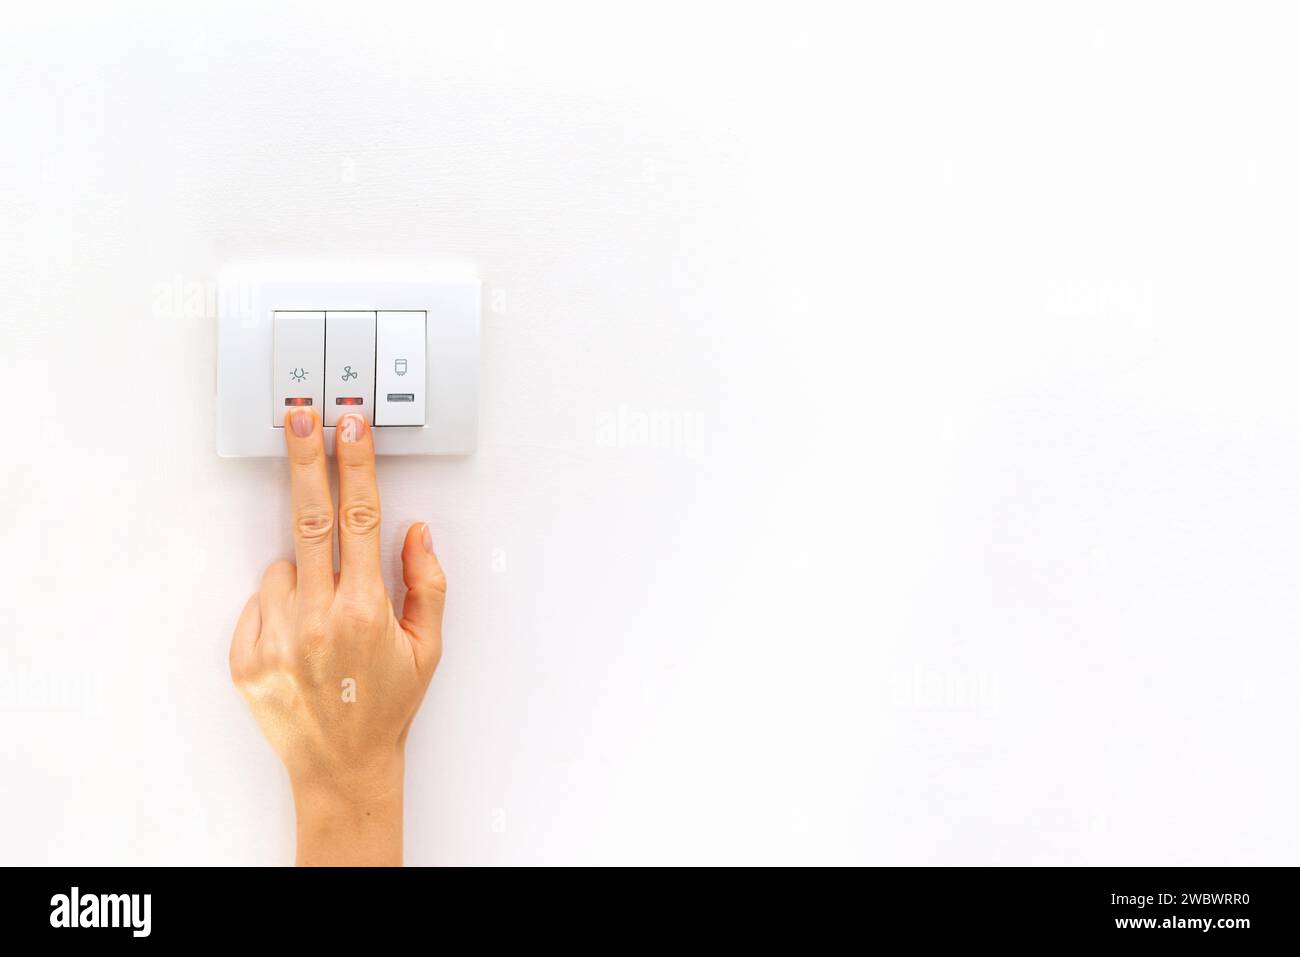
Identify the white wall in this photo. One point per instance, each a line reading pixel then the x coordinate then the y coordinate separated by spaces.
pixel 980 545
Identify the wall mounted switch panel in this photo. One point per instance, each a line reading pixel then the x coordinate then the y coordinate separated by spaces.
pixel 400 347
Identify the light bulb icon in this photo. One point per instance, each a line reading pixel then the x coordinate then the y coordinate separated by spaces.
pixel 298 374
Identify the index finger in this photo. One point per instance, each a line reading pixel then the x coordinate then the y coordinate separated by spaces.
pixel 313 508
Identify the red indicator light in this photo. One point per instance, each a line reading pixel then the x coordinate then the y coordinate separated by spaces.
pixel 349 400
pixel 301 400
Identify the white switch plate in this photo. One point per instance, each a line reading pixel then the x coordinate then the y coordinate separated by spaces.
pixel 247 298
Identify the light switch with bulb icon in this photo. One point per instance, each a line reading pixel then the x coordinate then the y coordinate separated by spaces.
pixel 299 361
pixel 402 352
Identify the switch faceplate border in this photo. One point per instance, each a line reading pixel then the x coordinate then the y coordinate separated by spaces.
pixel 247 298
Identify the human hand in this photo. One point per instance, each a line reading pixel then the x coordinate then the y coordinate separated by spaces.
pixel 332 675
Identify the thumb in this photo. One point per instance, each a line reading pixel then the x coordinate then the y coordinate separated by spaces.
pixel 426 590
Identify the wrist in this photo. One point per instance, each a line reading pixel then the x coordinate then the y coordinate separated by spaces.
pixel 357 781
pixel 352 819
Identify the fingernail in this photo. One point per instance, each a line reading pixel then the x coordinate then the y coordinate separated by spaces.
pixel 350 428
pixel 428 539
pixel 302 423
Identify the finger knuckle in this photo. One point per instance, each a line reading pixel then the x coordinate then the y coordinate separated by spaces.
pixel 278 570
pixel 312 630
pixel 246 666
pixel 358 473
pixel 357 623
pixel 363 610
pixel 305 457
pixel 314 523
pixel 375 594
pixel 279 661
pixel 237 671
pixel 360 518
